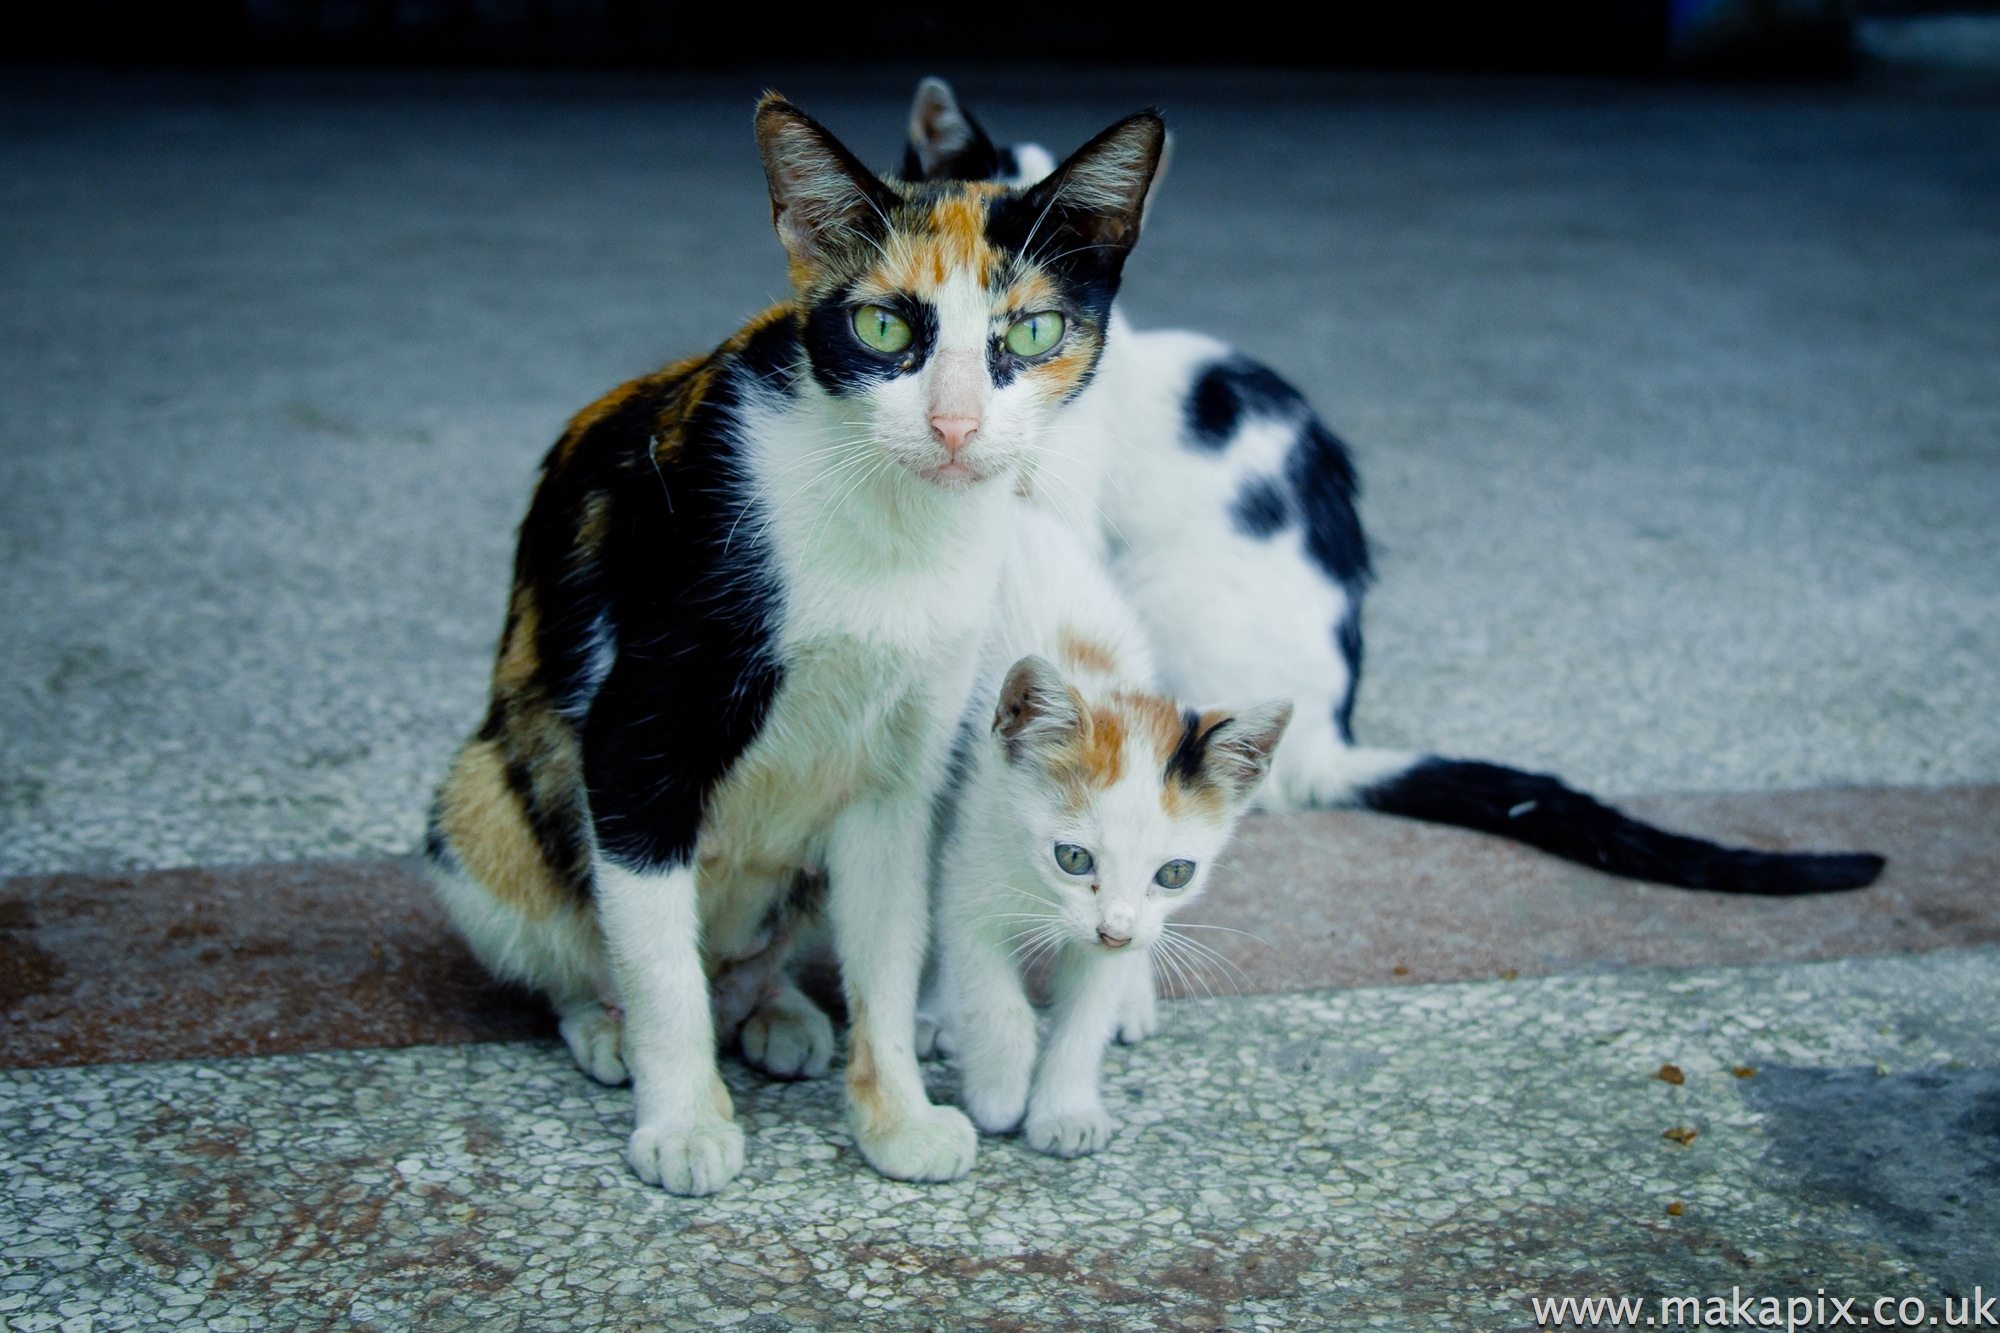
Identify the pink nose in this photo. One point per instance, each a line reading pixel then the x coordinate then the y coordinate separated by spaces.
pixel 954 433
pixel 1111 941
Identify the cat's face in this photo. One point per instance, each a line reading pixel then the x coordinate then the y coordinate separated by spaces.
pixel 1126 801
pixel 947 322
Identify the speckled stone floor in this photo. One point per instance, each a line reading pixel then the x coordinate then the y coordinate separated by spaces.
pixel 1423 1157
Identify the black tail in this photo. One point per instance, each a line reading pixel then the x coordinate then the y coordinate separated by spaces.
pixel 1540 811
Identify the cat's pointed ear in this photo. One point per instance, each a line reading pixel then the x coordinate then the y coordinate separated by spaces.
pixel 822 198
pixel 946 143
pixel 1231 749
pixel 1098 194
pixel 1159 175
pixel 1036 706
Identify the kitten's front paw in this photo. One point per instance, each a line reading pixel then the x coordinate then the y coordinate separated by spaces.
pixel 788 1037
pixel 937 1143
pixel 1070 1135
pixel 594 1037
pixel 697 1159
pixel 1139 1015
pixel 1138 1022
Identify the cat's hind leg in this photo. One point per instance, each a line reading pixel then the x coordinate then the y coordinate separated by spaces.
pixel 595 1035
pixel 541 939
pixel 788 1036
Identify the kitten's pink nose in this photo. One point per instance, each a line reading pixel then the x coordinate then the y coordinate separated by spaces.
pixel 1111 941
pixel 954 433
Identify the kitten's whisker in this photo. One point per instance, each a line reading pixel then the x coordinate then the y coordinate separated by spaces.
pixel 1195 964
pixel 1201 925
pixel 1199 952
pixel 1184 980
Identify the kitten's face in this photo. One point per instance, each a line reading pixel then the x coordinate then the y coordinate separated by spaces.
pixel 1126 802
pixel 947 322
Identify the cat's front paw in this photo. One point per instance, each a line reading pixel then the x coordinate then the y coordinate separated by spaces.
pixel 789 1037
pixel 595 1040
pixel 1072 1134
pixel 695 1159
pixel 937 1143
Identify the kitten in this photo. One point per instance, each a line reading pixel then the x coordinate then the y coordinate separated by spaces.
pixel 1219 498
pixel 1090 812
pixel 749 598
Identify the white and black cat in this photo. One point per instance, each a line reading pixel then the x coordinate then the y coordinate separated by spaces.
pixel 1218 498
pixel 749 597
pixel 1089 809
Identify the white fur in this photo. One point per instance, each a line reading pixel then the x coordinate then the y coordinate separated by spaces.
pixel 1002 895
pixel 1230 615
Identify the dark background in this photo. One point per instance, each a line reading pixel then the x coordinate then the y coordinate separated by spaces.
pixel 1642 37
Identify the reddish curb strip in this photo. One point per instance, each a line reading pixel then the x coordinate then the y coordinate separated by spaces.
pixel 1355 899
pixel 257 960
pixel 249 960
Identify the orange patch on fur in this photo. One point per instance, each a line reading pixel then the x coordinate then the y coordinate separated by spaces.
pixel 959 223
pixel 1075 651
pixel 481 818
pixel 1092 759
pixel 864 1076
pixel 519 658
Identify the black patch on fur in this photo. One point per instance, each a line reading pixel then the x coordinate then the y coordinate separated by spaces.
pixel 690 598
pixel 1318 471
pixel 1347 637
pixel 437 848
pixel 1539 810
pixel 1230 390
pixel 1259 509
pixel 979 160
pixel 1090 273
pixel 1186 763
pixel 1323 488
pixel 842 363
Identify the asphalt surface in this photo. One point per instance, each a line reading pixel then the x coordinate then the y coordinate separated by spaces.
pixel 1675 408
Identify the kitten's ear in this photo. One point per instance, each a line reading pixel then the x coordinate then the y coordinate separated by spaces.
pixel 822 198
pixel 1099 193
pixel 1235 753
pixel 1036 706
pixel 946 143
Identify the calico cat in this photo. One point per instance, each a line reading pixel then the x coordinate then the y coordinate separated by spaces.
pixel 748 601
pixel 1219 498
pixel 1089 811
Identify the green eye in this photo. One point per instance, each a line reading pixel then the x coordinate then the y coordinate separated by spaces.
pixel 1073 859
pixel 1174 874
pixel 1035 334
pixel 882 329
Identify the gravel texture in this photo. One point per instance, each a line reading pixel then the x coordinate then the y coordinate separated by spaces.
pixel 1676 408
pixel 1408 1158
